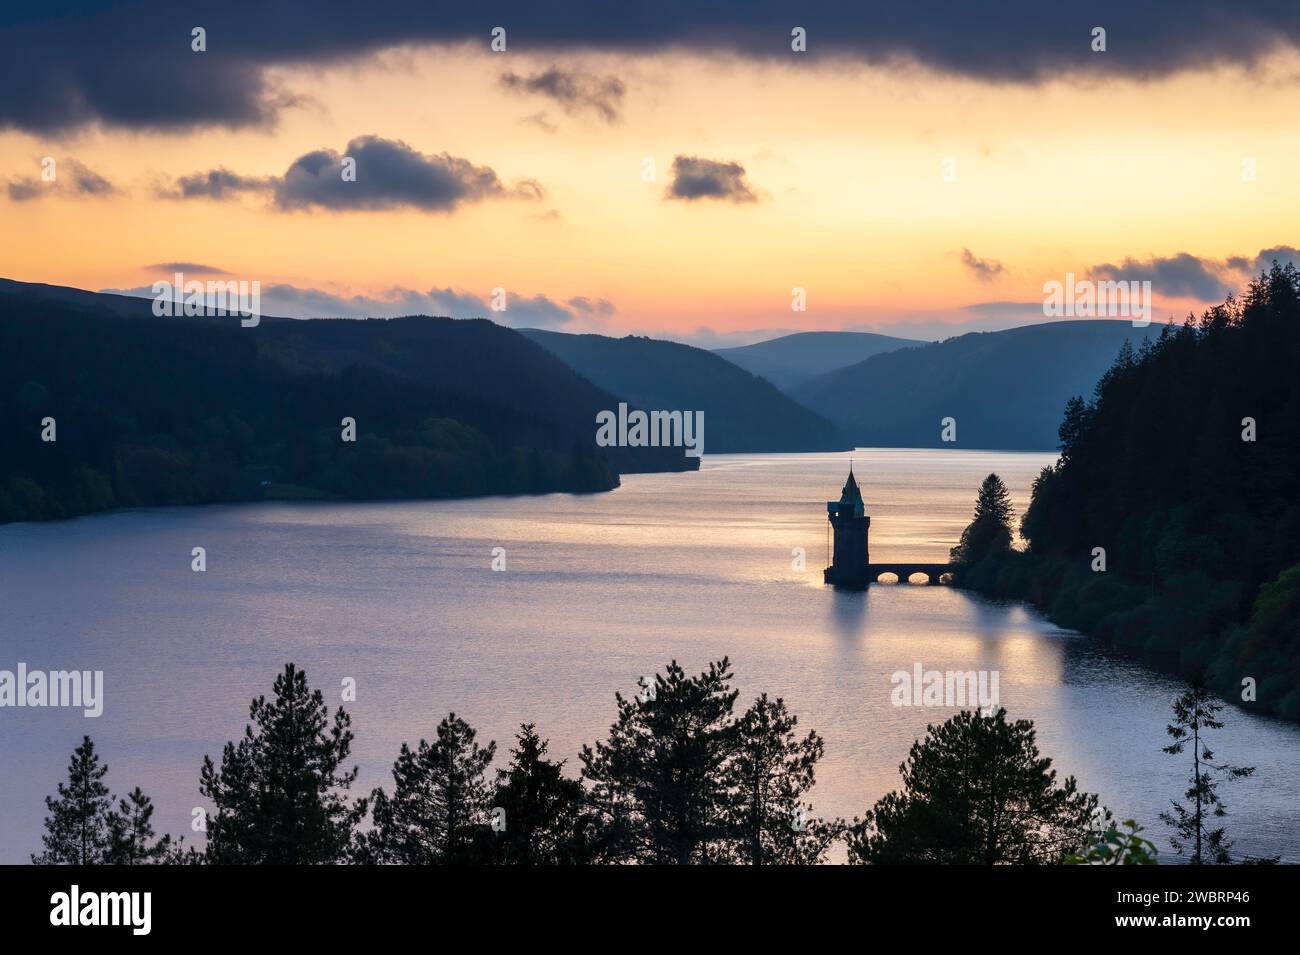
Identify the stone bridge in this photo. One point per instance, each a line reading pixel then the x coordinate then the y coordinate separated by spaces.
pixel 906 570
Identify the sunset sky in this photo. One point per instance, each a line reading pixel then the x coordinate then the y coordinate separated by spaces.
pixel 526 169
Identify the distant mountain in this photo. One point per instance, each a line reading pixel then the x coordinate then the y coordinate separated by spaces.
pixel 153 411
pixel 791 360
pixel 741 412
pixel 1006 389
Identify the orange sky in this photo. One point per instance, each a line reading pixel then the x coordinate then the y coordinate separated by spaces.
pixel 846 161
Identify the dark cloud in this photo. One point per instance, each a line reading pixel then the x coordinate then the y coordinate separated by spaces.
pixel 574 90
pixel 522 311
pixel 1282 254
pixel 193 268
pixel 986 270
pixel 389 174
pixel 131 64
pixel 1177 276
pixel 216 184
pixel 1188 276
pixel 25 188
pixel 695 178
pixel 72 178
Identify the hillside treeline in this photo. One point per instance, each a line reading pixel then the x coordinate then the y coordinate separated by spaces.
pixel 148 411
pixel 1170 526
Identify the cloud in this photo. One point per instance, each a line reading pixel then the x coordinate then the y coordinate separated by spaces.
pixel 575 91
pixel 217 184
pixel 592 308
pixel 72 178
pixel 541 121
pixel 1282 254
pixel 695 178
pixel 103 66
pixel 389 174
pixel 522 311
pixel 986 270
pixel 1184 275
pixel 1176 276
pixel 984 309
pixel 192 268
pixel 25 188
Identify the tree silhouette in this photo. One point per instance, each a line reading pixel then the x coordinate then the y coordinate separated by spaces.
pixel 976 791
pixel 660 781
pixel 76 829
pixel 542 811
pixel 1192 502
pixel 1194 712
pixel 772 772
pixel 440 801
pixel 989 533
pixel 280 794
pixel 131 835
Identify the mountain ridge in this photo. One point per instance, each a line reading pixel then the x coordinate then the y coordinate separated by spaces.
pixel 788 361
pixel 156 411
pixel 1005 389
pixel 742 412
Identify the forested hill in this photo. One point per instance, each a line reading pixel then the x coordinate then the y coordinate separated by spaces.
pixel 154 411
pixel 791 360
pixel 1184 466
pixel 1005 389
pixel 741 412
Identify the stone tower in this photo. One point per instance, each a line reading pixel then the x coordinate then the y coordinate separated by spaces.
pixel 851 526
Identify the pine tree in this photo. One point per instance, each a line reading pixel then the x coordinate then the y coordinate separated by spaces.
pixel 280 794
pixel 660 787
pixel 131 833
pixel 440 803
pixel 1194 712
pixel 772 773
pixel 76 829
pixel 975 791
pixel 1079 414
pixel 990 531
pixel 542 810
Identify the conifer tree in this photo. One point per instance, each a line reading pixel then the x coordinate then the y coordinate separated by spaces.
pixel 975 791
pixel 660 781
pixel 440 802
pixel 772 772
pixel 76 829
pixel 541 809
pixel 1196 711
pixel 990 531
pixel 131 837
pixel 280 793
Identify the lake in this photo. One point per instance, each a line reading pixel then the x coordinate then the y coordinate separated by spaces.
pixel 597 591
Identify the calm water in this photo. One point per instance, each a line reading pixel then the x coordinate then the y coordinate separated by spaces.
pixel 598 590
